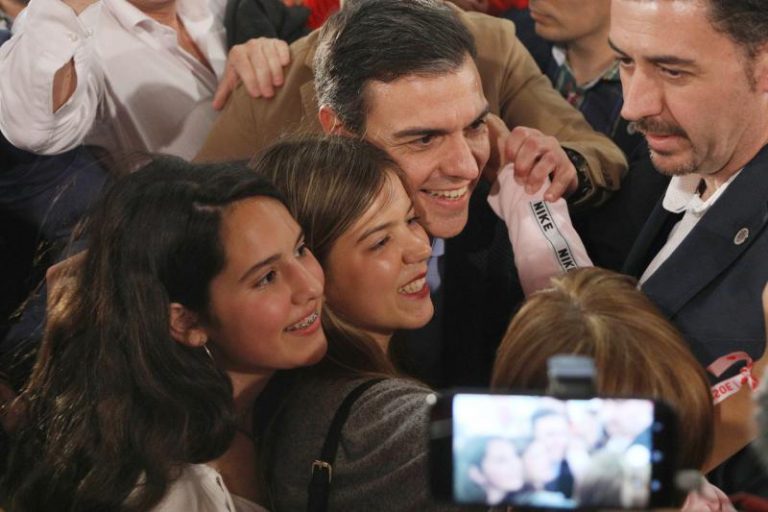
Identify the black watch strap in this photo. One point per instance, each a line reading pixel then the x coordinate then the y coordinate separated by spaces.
pixel 585 188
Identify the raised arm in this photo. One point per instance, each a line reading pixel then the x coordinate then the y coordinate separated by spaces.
pixel 50 82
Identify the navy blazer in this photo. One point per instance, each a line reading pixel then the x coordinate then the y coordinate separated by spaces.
pixel 711 286
pixel 480 293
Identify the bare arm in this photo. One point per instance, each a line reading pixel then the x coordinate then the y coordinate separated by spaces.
pixel 64 84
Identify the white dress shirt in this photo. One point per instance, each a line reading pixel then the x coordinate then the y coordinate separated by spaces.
pixel 682 196
pixel 137 90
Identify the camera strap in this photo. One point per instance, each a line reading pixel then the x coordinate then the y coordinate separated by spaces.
pixel 322 468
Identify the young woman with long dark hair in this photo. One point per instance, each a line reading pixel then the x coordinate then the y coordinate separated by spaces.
pixel 196 288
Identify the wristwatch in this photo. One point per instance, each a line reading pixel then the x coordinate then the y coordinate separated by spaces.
pixel 584 188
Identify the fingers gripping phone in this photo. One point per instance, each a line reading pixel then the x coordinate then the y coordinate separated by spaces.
pixel 531 451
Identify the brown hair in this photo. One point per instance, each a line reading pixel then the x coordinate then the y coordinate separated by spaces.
pixel 329 182
pixel 637 352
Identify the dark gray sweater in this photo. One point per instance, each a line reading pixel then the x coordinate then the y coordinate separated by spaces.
pixel 381 462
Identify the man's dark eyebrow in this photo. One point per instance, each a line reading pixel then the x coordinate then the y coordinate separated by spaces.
pixel 266 261
pixel 426 132
pixel 615 48
pixel 418 132
pixel 483 115
pixel 667 60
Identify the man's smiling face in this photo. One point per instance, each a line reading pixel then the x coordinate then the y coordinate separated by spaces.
pixel 434 127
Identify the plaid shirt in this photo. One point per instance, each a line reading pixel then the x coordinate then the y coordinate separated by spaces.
pixel 566 84
pixel 599 100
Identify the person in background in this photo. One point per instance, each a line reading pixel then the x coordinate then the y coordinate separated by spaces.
pixel 197 286
pixel 701 256
pixel 42 200
pixel 570 46
pixel 130 77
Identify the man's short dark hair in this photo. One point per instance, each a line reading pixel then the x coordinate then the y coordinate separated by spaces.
pixel 744 21
pixel 384 40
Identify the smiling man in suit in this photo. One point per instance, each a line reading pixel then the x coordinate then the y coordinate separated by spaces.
pixel 695 79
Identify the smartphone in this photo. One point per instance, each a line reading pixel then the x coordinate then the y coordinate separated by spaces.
pixel 540 452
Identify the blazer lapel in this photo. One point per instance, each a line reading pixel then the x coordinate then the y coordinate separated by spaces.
pixel 727 230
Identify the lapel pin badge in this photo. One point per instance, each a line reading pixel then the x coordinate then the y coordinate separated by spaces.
pixel 741 236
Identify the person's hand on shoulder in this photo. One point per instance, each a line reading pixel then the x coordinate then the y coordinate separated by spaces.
pixel 259 64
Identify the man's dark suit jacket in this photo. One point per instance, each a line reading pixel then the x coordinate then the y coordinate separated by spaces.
pixel 480 293
pixel 711 286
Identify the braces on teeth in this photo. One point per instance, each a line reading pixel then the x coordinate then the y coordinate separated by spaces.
pixel 311 318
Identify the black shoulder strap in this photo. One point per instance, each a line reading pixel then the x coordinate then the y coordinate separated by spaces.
pixel 322 468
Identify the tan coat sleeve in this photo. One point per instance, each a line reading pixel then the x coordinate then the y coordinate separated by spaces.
pixel 523 96
pixel 248 125
pixel 513 85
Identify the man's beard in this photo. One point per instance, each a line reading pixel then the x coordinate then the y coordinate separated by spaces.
pixel 663 128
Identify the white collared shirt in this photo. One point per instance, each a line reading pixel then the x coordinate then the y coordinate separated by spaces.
pixel 200 488
pixel 137 90
pixel 682 196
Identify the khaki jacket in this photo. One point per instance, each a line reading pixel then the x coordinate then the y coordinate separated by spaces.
pixel 515 89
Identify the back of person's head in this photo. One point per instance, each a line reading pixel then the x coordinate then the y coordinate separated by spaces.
pixel 113 398
pixel 637 352
pixel 329 182
pixel 383 40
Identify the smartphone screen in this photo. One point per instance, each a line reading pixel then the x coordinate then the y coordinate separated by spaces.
pixel 543 452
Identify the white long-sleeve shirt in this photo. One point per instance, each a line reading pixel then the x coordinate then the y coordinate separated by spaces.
pixel 200 488
pixel 137 90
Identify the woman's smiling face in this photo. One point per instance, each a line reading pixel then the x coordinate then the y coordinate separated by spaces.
pixel 265 304
pixel 376 270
